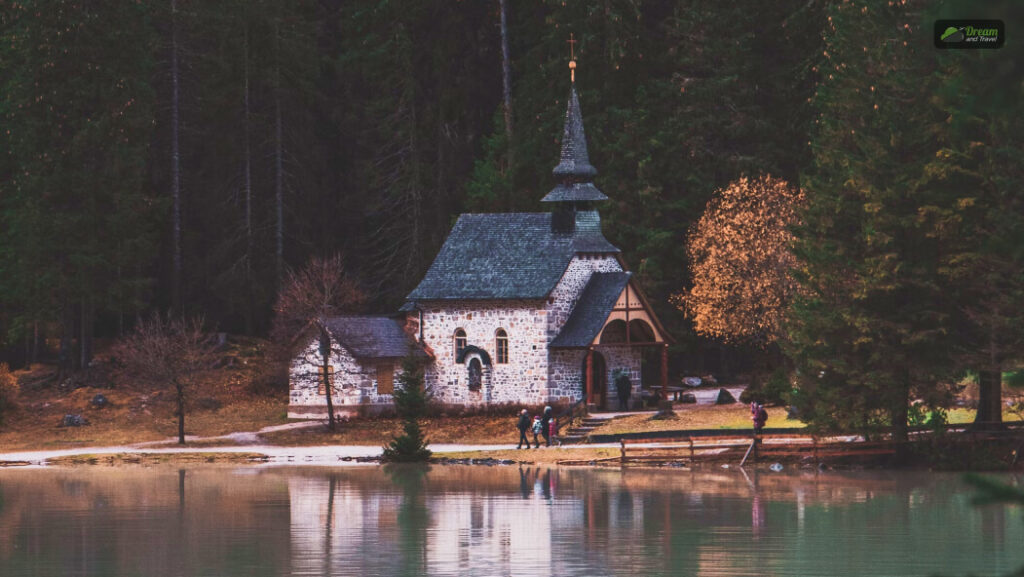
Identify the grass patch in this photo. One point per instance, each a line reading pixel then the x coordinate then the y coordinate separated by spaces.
pixel 475 429
pixel 542 456
pixel 736 416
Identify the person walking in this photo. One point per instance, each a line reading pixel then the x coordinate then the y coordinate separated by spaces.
pixel 545 426
pixel 523 425
pixel 536 431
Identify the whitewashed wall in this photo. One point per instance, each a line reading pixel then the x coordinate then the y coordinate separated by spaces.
pixel 355 383
pixel 524 379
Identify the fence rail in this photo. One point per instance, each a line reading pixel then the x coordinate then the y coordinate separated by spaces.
pixel 692 449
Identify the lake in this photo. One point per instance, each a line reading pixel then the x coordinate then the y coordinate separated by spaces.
pixel 504 520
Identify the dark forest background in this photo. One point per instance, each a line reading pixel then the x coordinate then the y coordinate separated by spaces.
pixel 182 155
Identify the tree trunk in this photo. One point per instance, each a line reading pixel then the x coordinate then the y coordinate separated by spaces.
pixel 181 414
pixel 176 273
pixel 35 343
pixel 249 241
pixel 506 78
pixel 64 359
pixel 85 334
pixel 899 415
pixel 278 163
pixel 990 402
pixel 325 361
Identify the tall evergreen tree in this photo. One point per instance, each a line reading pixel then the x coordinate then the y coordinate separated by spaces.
pixel 76 213
pixel 870 327
pixel 979 168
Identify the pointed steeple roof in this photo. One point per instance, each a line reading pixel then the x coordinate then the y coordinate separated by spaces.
pixel 574 161
pixel 574 168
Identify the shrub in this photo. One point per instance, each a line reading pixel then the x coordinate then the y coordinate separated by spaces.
pixel 9 390
pixel 770 392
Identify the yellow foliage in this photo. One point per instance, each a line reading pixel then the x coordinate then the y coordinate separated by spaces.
pixel 741 261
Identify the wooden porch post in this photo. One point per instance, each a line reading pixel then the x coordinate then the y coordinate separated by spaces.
pixel 664 371
pixel 590 375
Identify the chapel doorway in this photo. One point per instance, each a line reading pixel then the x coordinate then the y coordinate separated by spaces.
pixel 599 384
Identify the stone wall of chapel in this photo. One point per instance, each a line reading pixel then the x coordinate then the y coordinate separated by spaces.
pixel 574 279
pixel 524 379
pixel 567 376
pixel 354 382
pixel 628 359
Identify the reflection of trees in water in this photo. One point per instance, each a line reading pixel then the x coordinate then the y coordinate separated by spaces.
pixel 413 516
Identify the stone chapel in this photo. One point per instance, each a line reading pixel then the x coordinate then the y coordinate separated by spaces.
pixel 517 308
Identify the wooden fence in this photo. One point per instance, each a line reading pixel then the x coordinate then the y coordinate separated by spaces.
pixel 742 449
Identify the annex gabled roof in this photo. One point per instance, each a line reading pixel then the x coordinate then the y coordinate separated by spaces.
pixel 507 256
pixel 591 310
pixel 372 336
pixel 609 297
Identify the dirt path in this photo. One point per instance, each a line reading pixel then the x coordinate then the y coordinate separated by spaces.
pixel 245 442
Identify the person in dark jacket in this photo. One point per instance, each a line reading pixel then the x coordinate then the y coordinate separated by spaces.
pixel 523 425
pixel 545 426
pixel 623 387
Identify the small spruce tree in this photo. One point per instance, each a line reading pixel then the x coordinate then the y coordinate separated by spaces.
pixel 411 400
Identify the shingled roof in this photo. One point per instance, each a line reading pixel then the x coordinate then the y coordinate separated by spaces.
pixel 507 256
pixel 574 162
pixel 372 337
pixel 591 310
pixel 574 168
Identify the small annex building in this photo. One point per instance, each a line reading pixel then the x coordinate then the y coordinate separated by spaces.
pixel 521 308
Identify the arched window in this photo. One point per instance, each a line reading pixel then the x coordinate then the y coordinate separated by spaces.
pixel 501 346
pixel 460 342
pixel 476 373
pixel 640 331
pixel 614 332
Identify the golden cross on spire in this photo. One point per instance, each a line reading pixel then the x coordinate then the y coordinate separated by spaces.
pixel 572 57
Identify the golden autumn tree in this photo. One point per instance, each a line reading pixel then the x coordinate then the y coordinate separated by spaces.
pixel 741 262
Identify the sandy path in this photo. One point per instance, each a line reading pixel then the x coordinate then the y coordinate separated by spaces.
pixel 332 455
pixel 247 442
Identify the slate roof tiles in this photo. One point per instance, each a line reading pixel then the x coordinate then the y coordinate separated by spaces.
pixel 507 256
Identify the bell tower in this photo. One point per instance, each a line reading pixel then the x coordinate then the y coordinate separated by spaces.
pixel 575 191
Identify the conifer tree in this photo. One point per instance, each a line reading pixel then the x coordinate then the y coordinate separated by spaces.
pixel 411 400
pixel 869 328
pixel 978 167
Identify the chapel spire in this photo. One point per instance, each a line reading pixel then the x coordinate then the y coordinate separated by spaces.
pixel 574 169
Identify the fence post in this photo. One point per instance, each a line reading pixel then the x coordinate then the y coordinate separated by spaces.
pixel 622 452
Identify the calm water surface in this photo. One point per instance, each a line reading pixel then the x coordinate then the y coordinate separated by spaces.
pixel 497 521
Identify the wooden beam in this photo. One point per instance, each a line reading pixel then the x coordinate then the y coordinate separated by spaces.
pixel 590 376
pixel 664 371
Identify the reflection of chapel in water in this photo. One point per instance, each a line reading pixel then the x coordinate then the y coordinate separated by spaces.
pixel 335 520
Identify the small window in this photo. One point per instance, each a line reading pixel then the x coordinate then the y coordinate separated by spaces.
pixel 476 374
pixel 322 389
pixel 460 342
pixel 501 346
pixel 385 378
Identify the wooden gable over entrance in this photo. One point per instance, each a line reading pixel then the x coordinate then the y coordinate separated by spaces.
pixel 611 310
